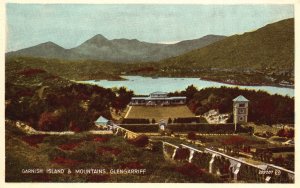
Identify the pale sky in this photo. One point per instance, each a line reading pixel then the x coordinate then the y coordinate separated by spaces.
pixel 70 25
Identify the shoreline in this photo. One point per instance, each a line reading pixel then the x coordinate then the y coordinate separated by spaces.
pixel 139 88
pixel 237 84
pixel 241 84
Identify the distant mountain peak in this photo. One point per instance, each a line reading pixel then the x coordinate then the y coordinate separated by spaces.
pixel 116 50
pixel 98 37
pixel 96 40
pixel 49 43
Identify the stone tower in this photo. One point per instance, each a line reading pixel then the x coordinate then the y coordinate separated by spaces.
pixel 240 110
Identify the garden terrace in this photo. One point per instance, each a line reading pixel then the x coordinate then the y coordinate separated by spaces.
pixel 159 112
pixel 82 151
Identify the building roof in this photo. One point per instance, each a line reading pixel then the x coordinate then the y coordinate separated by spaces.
pixel 157 98
pixel 179 97
pixel 159 93
pixel 140 98
pixel 101 119
pixel 240 98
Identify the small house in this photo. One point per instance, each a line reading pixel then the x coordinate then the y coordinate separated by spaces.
pixel 101 121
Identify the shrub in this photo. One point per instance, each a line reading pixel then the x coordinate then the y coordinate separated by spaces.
pixel 202 160
pixel 192 136
pixel 104 150
pixel 65 162
pixel 49 122
pixel 189 169
pixel 69 146
pixel 100 139
pixel 182 154
pixel 278 160
pixel 73 126
pixel 153 121
pixel 131 165
pixel 289 133
pixel 34 140
pixel 140 141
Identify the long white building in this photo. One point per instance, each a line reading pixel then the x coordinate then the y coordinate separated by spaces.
pixel 158 98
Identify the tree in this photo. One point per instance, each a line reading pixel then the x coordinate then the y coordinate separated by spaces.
pixel 99 103
pixel 201 110
pixel 123 98
pixel 140 141
pixel 49 122
pixel 153 121
pixel 190 91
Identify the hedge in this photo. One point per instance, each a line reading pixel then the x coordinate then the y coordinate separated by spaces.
pixel 196 127
pixel 277 149
pixel 141 127
pixel 187 120
pixel 135 121
pixel 203 128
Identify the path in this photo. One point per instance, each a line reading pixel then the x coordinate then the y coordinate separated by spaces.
pixel 29 130
pixel 128 111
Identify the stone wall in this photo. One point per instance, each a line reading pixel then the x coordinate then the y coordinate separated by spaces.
pixel 230 167
pixel 219 163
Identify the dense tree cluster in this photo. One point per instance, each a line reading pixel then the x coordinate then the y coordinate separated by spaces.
pixel 74 107
pixel 263 107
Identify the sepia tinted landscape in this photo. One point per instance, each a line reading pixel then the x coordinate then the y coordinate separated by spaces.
pixel 214 109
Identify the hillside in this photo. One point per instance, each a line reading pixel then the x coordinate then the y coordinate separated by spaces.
pixel 261 57
pixel 70 70
pixel 271 46
pixel 45 50
pixel 92 158
pixel 48 102
pixel 116 50
pixel 268 51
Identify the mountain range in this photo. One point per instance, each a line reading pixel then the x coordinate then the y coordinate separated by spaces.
pixel 116 50
pixel 269 47
pixel 261 57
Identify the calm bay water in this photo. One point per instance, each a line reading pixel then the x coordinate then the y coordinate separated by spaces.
pixel 145 85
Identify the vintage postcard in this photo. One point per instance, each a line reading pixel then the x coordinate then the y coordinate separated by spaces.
pixel 149 93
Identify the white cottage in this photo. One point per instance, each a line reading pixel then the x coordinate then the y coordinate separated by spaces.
pixel 158 98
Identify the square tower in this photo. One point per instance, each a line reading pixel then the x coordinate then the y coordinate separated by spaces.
pixel 240 110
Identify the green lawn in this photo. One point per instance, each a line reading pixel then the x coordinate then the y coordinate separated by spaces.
pixel 159 112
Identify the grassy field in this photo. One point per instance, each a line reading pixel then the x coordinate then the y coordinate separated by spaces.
pixel 83 152
pixel 159 112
